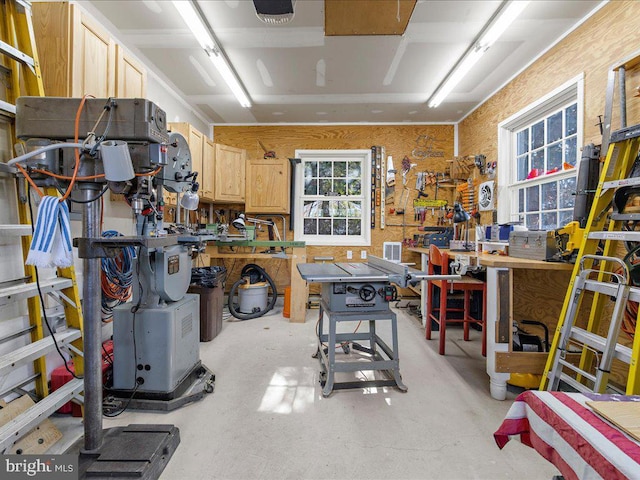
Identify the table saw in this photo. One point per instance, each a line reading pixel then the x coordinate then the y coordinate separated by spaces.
pixel 359 292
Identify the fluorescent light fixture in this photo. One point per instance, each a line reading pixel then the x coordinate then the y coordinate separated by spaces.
pixel 492 31
pixel 205 37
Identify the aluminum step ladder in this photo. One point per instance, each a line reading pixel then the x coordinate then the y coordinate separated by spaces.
pixel 21 76
pixel 599 271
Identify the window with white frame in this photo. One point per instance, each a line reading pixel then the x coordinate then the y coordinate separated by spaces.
pixel 334 197
pixel 538 160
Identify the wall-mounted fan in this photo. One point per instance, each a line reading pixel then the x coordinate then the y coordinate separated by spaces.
pixel 486 196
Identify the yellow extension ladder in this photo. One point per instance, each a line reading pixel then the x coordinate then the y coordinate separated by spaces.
pixel 600 277
pixel 21 76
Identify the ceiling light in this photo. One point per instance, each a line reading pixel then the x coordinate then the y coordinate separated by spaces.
pixel 196 22
pixel 488 36
pixel 274 12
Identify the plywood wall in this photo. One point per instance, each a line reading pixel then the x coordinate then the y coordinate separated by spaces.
pixel 398 140
pixel 603 40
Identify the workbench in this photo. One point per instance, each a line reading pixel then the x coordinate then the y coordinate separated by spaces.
pixel 296 253
pixel 517 289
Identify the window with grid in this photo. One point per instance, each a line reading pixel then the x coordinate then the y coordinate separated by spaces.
pixel 539 155
pixel 334 197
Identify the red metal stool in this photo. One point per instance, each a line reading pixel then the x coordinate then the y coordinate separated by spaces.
pixel 439 264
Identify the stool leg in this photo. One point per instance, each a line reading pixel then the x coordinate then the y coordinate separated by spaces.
pixel 443 317
pixel 429 310
pixel 467 314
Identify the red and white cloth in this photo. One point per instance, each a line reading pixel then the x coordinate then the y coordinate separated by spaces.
pixel 566 432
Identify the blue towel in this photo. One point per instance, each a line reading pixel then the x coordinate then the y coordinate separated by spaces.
pixel 51 241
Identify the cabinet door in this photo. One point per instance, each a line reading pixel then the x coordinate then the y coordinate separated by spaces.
pixel 208 164
pixel 268 186
pixel 131 76
pixel 93 59
pixel 229 175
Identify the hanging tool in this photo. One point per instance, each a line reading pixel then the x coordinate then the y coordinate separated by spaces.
pixel 267 153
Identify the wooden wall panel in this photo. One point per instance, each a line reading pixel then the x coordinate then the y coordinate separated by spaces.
pixel 602 41
pixel 399 140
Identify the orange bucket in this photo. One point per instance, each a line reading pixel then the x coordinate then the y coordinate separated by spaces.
pixel 286 311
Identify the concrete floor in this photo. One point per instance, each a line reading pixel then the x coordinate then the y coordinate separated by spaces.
pixel 267 418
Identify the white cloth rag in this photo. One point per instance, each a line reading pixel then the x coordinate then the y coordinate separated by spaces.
pixel 51 241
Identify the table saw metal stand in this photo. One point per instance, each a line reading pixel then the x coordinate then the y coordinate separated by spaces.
pixel 388 364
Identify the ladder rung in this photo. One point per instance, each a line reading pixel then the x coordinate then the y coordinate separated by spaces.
pixel 16 428
pixel 610 289
pixel 37 349
pixel 8 109
pixel 16 54
pixel 28 290
pixel 576 369
pixel 15 230
pixel 625 182
pixel 23 382
pixel 625 217
pixel 599 343
pixel 617 235
pixel 572 382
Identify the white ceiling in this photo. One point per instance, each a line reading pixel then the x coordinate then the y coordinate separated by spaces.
pixel 294 74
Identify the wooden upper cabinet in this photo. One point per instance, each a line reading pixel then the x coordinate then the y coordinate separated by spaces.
pixel 131 76
pixel 268 183
pixel 78 56
pixel 229 174
pixel 208 165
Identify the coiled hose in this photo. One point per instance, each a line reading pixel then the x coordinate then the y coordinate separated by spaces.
pixel 252 273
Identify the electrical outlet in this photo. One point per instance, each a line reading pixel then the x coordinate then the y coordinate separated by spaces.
pixel 363 254
pixel 349 254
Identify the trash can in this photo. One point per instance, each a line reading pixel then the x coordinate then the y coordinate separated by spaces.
pixel 208 282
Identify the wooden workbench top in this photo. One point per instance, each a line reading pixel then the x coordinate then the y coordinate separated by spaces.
pixel 503 261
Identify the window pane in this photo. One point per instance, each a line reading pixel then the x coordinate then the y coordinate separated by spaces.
pixel 571 150
pixel 324 226
pixel 354 187
pixel 325 186
pixel 549 196
pixel 523 167
pixel 340 187
pixel 521 200
pixel 537 135
pixel 549 221
pixel 554 127
pixel 312 209
pixel 310 169
pixel 571 119
pixel 355 209
pixel 355 227
pixel 554 158
pixel 533 221
pixel 325 169
pixel 310 186
pixel 355 170
pixel 567 193
pixel 537 162
pixel 565 216
pixel 310 226
pixel 340 226
pixel 340 169
pixel 533 199
pixel 522 141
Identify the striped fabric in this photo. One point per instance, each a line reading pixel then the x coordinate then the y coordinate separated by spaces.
pixel 566 432
pixel 51 241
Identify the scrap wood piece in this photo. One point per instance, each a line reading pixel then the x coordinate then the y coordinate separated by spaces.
pixel 38 440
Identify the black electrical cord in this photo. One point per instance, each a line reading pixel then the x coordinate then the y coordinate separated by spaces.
pixel 110 107
pixel 97 197
pixel 44 312
pixel 256 274
pixel 134 310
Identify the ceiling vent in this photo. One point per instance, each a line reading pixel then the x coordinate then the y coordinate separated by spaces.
pixel 274 12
